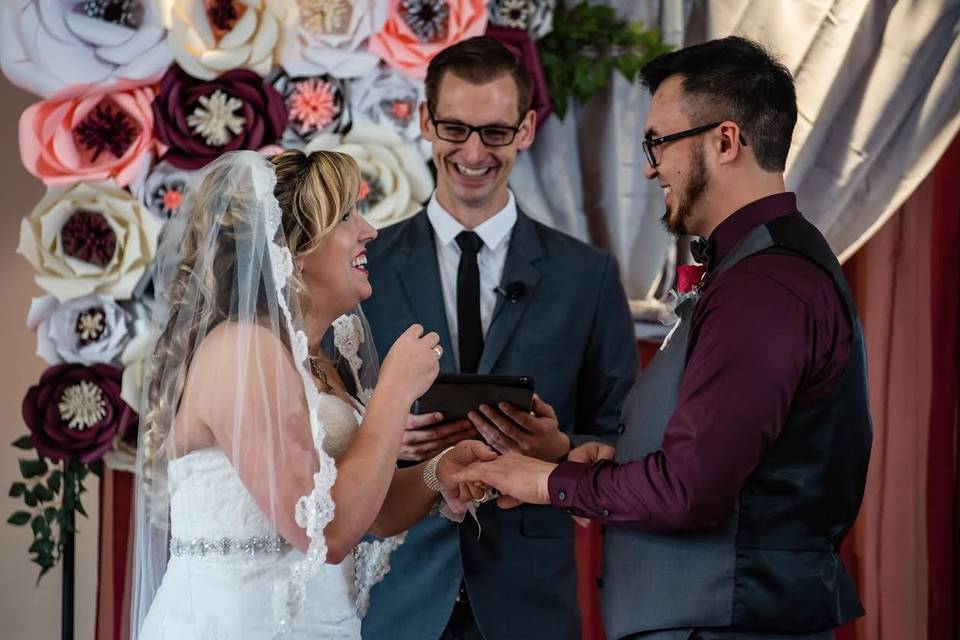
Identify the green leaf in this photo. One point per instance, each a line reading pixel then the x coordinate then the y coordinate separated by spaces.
pixel 17 489
pixel 19 518
pixel 42 493
pixel 23 442
pixel 39 526
pixel 29 499
pixel 50 513
pixel 81 510
pixel 32 468
pixel 54 481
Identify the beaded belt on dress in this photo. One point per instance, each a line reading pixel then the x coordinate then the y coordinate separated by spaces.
pixel 224 546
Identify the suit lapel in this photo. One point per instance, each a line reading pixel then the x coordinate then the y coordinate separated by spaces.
pixel 525 249
pixel 420 278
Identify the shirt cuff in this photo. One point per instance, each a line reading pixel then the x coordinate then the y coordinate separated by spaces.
pixel 562 483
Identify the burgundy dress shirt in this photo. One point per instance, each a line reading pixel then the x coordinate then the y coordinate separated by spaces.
pixel 767 335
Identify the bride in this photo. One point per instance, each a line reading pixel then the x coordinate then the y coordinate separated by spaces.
pixel 266 452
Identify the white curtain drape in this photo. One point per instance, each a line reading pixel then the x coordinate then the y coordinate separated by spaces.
pixel 878 88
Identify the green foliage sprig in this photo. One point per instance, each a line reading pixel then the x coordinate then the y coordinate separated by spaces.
pixel 586 45
pixel 50 498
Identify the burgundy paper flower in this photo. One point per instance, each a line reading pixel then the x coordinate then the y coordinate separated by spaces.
pixel 201 120
pixel 75 412
pixel 518 42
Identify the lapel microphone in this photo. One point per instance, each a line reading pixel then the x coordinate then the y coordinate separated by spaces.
pixel 512 291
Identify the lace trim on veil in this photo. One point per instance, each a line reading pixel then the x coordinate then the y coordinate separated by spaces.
pixel 316 510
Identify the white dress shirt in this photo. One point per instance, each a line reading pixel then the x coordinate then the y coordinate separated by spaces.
pixel 491 258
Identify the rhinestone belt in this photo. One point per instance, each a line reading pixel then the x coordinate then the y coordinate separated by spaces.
pixel 225 546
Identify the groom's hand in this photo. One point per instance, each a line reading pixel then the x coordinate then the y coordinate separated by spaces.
pixel 536 434
pixel 518 478
pixel 590 453
pixel 422 441
pixel 465 453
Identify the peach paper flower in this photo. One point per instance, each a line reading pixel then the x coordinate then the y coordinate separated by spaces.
pixel 89 132
pixel 417 30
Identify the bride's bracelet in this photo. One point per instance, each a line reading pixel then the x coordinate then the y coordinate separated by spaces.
pixel 430 471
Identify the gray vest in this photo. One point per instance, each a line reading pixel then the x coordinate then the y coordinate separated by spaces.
pixel 752 572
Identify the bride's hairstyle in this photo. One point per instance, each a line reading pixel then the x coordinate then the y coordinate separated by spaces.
pixel 314 192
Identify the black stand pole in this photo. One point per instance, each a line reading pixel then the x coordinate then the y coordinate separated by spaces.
pixel 67 556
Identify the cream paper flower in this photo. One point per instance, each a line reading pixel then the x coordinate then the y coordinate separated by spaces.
pixel 396 180
pixel 92 237
pixel 209 37
pixel 47 45
pixel 329 36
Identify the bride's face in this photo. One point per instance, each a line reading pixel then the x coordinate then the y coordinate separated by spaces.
pixel 335 273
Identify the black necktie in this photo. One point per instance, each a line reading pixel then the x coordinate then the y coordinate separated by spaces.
pixel 469 329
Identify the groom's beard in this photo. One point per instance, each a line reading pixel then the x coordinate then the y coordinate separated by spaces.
pixel 697 182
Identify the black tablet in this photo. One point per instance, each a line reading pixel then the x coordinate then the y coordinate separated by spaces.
pixel 456 394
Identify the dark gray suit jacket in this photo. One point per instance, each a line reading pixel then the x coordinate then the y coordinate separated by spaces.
pixel 570 329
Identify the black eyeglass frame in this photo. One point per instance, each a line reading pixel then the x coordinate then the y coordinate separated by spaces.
pixel 649 144
pixel 470 129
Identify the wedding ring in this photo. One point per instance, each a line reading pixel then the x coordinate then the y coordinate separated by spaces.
pixel 489 494
pixel 439 351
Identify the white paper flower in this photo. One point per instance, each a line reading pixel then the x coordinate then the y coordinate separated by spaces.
pixel 329 34
pixel 165 189
pixel 84 330
pixel 134 355
pixel 536 16
pixel 209 37
pixel 390 99
pixel 92 237
pixel 396 180
pixel 46 45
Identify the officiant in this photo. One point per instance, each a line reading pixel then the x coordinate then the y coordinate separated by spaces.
pixel 744 446
pixel 508 296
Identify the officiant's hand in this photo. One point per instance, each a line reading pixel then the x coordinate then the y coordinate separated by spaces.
pixel 518 478
pixel 508 429
pixel 421 441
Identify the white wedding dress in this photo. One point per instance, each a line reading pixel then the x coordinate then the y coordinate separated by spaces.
pixel 208 594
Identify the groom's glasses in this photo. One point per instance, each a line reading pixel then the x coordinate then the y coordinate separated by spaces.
pixel 492 135
pixel 650 143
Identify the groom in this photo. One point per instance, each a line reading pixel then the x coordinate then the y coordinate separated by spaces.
pixel 508 296
pixel 744 456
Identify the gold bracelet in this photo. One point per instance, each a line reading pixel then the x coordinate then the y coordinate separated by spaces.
pixel 430 472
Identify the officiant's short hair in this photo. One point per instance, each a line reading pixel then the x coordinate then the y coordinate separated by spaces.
pixel 479 60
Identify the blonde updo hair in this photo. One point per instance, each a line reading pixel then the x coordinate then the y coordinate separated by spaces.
pixel 314 192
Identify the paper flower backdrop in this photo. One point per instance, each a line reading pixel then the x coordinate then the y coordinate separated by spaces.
pixel 330 37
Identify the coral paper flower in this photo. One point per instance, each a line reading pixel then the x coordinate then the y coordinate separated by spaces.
pixel 75 412
pixel 92 237
pixel 209 37
pixel 48 46
pixel 329 36
pixel 315 104
pixel 395 178
pixel 89 133
pixel 417 30
pixel 202 120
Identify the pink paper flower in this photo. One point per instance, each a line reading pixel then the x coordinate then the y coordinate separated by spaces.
pixel 417 30
pixel 89 132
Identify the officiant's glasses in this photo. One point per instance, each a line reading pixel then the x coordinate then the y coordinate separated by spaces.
pixel 492 135
pixel 650 143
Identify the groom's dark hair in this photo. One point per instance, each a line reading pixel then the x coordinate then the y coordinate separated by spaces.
pixel 478 60
pixel 734 79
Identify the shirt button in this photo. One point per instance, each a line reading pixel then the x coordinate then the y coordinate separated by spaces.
pixel 606 512
pixel 562 496
pixel 621 428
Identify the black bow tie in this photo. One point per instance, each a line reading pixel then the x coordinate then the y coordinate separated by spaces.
pixel 701 252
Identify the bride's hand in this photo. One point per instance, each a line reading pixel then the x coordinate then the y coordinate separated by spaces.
pixel 412 363
pixel 466 452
